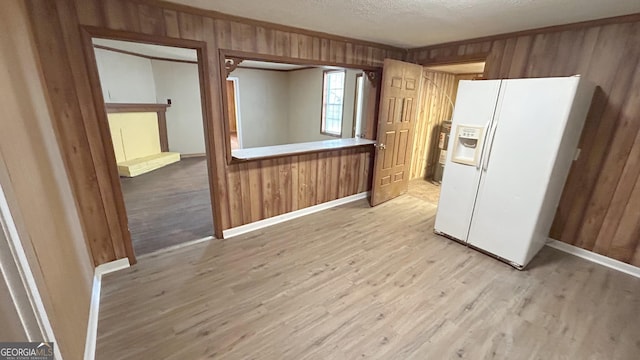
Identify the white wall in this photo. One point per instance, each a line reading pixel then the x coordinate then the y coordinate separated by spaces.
pixel 125 78
pixel 348 110
pixel 278 107
pixel 263 107
pixel 305 105
pixel 180 83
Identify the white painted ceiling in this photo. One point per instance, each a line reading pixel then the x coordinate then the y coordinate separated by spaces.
pixel 167 52
pixel 268 65
pixel 414 23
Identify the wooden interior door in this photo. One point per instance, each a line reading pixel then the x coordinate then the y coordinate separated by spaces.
pixel 396 120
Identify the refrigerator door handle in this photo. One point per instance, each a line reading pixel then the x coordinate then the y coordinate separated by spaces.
pixel 485 164
pixel 484 143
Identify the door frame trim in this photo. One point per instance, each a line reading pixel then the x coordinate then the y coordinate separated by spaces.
pixel 236 103
pixel 20 265
pixel 89 32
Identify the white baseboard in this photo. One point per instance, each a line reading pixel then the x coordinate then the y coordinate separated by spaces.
pixel 596 258
pixel 92 326
pixel 242 229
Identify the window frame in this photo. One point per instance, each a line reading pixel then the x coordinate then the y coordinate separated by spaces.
pixel 323 103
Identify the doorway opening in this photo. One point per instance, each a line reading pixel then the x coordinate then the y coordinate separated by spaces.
pixel 433 126
pixel 233 109
pixel 153 100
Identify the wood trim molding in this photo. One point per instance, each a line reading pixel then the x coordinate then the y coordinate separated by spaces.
pixel 547 29
pixel 260 23
pixel 235 54
pixel 162 131
pixel 88 32
pixel 323 99
pixel 455 59
pixel 108 48
pixel 372 76
pixel 280 70
pixel 124 108
pixel 228 57
pixel 231 63
pixel 107 33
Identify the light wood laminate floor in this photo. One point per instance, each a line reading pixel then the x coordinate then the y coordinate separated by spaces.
pixel 424 190
pixel 360 282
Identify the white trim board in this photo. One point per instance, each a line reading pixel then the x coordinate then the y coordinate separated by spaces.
pixel 596 258
pixel 8 226
pixel 94 309
pixel 243 229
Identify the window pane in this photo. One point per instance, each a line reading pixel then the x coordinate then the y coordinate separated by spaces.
pixel 333 99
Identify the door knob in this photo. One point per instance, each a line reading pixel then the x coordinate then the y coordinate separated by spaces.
pixel 381 146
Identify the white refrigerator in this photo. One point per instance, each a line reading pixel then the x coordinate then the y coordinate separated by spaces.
pixel 511 147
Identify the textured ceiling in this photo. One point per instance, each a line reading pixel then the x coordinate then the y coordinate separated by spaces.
pixel 414 23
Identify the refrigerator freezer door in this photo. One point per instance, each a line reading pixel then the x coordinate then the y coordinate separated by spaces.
pixel 529 125
pixel 475 106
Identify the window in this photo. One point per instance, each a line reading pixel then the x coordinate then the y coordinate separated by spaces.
pixel 332 102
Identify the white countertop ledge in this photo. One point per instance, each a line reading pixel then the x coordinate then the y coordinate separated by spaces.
pixel 299 148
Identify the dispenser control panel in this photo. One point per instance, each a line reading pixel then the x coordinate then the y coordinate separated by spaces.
pixel 470 133
pixel 467 144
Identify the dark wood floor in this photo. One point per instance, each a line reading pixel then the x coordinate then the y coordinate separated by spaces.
pixel 168 206
pixel 357 282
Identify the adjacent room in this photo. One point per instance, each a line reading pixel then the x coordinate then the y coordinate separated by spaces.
pixel 272 103
pixel 433 125
pixel 153 102
pixel 192 179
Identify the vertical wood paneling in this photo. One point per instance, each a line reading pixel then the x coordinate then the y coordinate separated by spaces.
pixel 492 65
pixel 72 133
pixel 321 183
pixel 151 20
pixel 255 193
pixel 520 56
pixel 613 160
pixel 284 184
pixel 90 13
pixel 598 130
pixel 171 23
pixel 599 206
pixel 246 192
pixel 434 109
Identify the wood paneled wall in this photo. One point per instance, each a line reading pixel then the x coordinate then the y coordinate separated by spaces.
pixel 600 206
pixel 247 192
pixel 434 109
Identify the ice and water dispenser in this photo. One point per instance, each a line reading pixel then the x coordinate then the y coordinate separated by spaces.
pixel 467 144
